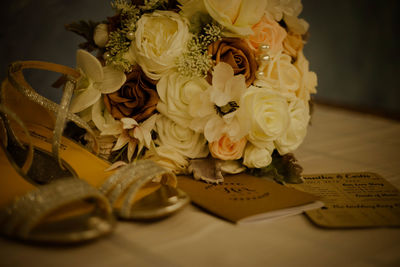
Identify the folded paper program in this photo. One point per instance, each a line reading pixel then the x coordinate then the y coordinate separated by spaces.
pixel 242 198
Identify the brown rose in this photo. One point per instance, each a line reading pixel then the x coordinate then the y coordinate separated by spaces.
pixel 293 44
pixel 236 53
pixel 136 99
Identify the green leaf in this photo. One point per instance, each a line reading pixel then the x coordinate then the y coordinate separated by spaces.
pixel 282 169
pixel 86 30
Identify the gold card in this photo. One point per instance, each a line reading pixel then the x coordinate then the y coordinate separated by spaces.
pixel 360 199
pixel 244 198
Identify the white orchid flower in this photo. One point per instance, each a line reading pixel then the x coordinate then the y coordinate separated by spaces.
pixel 214 110
pixel 130 132
pixel 95 81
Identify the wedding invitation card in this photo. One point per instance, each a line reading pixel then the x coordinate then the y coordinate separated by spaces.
pixel 360 199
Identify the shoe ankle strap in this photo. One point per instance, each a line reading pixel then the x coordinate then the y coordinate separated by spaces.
pixel 21 65
pixel 17 80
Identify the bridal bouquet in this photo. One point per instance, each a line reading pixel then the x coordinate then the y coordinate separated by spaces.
pixel 199 86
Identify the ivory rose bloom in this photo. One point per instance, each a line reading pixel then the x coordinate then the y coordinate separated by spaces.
pixel 256 157
pixel 281 75
pixel 180 139
pixel 294 135
pixel 296 25
pixel 266 112
pixel 168 159
pixel 288 10
pixel 293 44
pixel 277 8
pixel 176 92
pixel 268 31
pixel 308 80
pixel 225 149
pixel 160 38
pixel 237 16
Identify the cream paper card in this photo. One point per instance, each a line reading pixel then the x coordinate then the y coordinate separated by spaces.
pixel 243 198
pixel 360 199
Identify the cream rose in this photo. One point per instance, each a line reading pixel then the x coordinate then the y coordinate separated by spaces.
pixel 289 11
pixel 226 149
pixel 180 139
pixel 237 16
pixel 277 8
pixel 266 113
pixel 176 92
pixel 169 159
pixel 281 75
pixel 160 38
pixel 293 44
pixel 294 135
pixel 296 25
pixel 308 80
pixel 268 31
pixel 255 157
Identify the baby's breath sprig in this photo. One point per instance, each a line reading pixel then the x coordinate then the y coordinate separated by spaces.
pixel 123 6
pixel 117 45
pixel 120 39
pixel 196 61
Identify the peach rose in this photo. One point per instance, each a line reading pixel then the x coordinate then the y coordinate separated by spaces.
pixel 293 44
pixel 269 32
pixel 226 149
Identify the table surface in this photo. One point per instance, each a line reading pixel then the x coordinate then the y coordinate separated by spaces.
pixel 337 141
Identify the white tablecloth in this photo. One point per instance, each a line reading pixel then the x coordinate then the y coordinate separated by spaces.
pixel 337 141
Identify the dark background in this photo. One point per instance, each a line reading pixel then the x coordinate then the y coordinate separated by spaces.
pixel 353 47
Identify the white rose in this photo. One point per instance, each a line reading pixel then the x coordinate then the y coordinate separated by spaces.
pixel 277 9
pixel 100 36
pixel 266 114
pixel 296 25
pixel 130 55
pixel 308 80
pixel 180 139
pixel 294 135
pixel 281 75
pixel 237 16
pixel 169 159
pixel 255 157
pixel 160 38
pixel 176 92
pixel 288 11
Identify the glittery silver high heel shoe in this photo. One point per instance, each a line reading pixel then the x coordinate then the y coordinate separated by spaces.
pixel 140 190
pixel 66 211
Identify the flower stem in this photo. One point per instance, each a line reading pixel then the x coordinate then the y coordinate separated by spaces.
pixel 119 154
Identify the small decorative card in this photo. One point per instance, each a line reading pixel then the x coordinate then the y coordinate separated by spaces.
pixel 353 200
pixel 244 198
